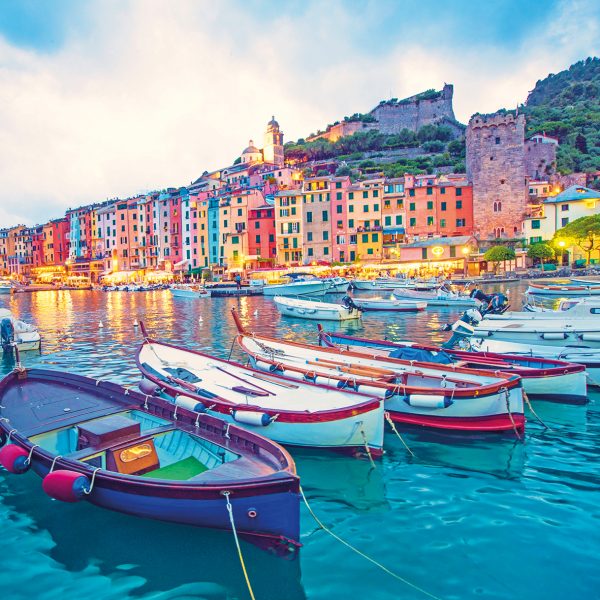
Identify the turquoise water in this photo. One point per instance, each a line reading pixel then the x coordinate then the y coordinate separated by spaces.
pixel 482 516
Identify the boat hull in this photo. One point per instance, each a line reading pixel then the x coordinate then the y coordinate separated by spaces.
pixel 315 310
pixel 189 294
pixel 399 305
pixel 295 289
pixel 563 291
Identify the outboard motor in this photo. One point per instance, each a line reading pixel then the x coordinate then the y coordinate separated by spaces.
pixel 348 303
pixel 7 335
pixel 494 304
pixel 463 329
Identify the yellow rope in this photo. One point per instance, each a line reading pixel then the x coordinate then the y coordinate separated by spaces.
pixel 526 398
pixel 364 437
pixel 357 551
pixel 393 426
pixel 514 425
pixel 237 543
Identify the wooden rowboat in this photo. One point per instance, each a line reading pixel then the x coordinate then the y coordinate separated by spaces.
pixel 390 304
pixel 416 393
pixel 97 441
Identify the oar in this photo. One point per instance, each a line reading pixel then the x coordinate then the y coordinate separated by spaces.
pixel 364 369
pixel 266 392
pixel 282 384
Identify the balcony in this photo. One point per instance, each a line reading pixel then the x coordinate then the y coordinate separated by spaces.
pixel 370 228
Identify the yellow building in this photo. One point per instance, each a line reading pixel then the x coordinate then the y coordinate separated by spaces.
pixel 365 201
pixel 316 220
pixel 394 216
pixel 288 226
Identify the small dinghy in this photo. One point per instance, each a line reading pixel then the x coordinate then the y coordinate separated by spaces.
pixel 416 393
pixel 562 290
pixel 188 291
pixel 443 296
pixel 314 309
pixel 576 308
pixel 543 378
pixel 390 304
pixel 297 413
pixel 97 441
pixel 14 332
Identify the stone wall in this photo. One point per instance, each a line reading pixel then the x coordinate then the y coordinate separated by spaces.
pixel 540 159
pixel 496 167
pixel 413 113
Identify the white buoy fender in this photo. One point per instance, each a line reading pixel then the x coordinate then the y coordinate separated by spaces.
pixel 554 336
pixel 149 387
pixel 67 486
pixel 249 417
pixel 190 404
pixel 590 337
pixel 427 401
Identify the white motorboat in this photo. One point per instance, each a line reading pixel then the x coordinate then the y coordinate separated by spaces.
pixel 314 309
pixel 443 296
pixel 6 286
pixel 298 413
pixel 390 304
pixel 337 285
pixel 297 288
pixel 577 308
pixel 560 290
pixel 188 291
pixel 16 332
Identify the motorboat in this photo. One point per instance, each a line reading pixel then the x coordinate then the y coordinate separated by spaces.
pixel 315 309
pixel 392 283
pixel 139 454
pixel 189 291
pixel 544 378
pixel 390 304
pixel 563 290
pixel 336 285
pixel 296 413
pixel 442 296
pixel 297 288
pixel 14 332
pixel 6 286
pixel 576 308
pixel 415 393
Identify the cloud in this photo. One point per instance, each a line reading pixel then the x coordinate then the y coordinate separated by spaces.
pixel 149 94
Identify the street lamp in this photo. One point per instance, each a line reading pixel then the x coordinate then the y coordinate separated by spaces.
pixel 465 251
pixel 561 245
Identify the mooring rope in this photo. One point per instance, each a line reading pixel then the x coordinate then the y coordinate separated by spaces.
pixel 514 425
pixel 393 426
pixel 237 543
pixel 364 437
pixel 360 553
pixel 527 401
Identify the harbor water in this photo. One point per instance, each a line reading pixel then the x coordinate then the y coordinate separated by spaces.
pixel 468 517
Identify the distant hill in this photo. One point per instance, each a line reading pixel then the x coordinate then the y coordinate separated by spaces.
pixel 566 105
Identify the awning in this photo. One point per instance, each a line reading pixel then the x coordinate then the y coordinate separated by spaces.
pixel 179 266
pixel 394 230
pixel 105 273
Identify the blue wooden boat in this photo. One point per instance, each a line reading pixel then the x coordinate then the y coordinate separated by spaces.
pixel 97 441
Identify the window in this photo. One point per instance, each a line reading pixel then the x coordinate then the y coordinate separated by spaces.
pixel 429 191
pixel 376 207
pixel 374 237
pixel 350 222
pixel 424 253
pixel 411 206
pixel 338 185
pixel 442 206
pixel 369 250
pixel 352 255
pixel 309 236
pixel 535 240
pixel 442 190
pixel 398 219
pixel 564 221
pixel 240 211
pixel 375 193
pixel 535 224
pixel 325 251
pixel 411 192
pixel 309 252
pixel 497 140
pixel 497 206
pixel 458 191
pixel 325 216
pixel 339 209
pixel 325 236
pixel 338 195
pixel 353 239
pixel 564 207
pixel 365 194
pixel 351 208
pixel 442 223
pixel 350 195
pixel 309 217
pixel 387 221
pixel 461 222
pixel 365 238
pixel 235 239
pixel 429 204
pixel 429 220
pixel 459 204
pixel 293 210
pixel 413 222
pixel 365 208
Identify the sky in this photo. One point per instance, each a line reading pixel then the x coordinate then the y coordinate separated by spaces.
pixel 112 98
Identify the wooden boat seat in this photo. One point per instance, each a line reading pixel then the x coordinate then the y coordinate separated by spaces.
pixel 182 470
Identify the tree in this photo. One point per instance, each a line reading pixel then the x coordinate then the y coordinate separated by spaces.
pixel 497 254
pixel 540 251
pixel 343 170
pixel 581 143
pixel 583 232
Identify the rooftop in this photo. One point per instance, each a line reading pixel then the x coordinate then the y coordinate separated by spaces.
pixel 575 193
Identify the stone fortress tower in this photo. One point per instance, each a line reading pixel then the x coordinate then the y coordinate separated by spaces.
pixel 496 166
pixel 273 146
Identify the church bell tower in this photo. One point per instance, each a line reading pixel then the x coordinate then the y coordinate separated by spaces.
pixel 273 147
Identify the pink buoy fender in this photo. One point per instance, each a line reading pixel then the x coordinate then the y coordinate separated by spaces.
pixel 14 459
pixel 67 486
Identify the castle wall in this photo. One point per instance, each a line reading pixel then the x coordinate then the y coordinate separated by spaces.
pixel 540 159
pixel 496 167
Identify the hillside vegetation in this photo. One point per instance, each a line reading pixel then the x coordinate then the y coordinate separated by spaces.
pixel 566 105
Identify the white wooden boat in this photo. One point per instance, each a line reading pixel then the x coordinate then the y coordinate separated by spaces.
pixel 416 393
pixel 581 353
pixel 544 378
pixel 577 308
pixel 584 281
pixel 16 332
pixel 188 291
pixel 443 296
pixel 296 288
pixel 390 304
pixel 314 309
pixel 392 283
pixel 563 290
pixel 291 412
